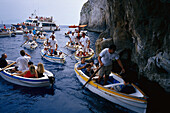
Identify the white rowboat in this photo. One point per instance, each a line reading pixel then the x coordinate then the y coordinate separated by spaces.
pixel 30 45
pixel 90 56
pixel 55 59
pixel 135 101
pixel 45 81
pixel 71 47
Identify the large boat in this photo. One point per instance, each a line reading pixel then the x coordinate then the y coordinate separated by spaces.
pixel 45 81
pixel 39 23
pixel 135 101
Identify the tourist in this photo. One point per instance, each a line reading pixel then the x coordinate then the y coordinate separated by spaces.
pixel 77 34
pixel 34 31
pixel 41 35
pixel 4 26
pixel 72 39
pixel 105 59
pixel 40 70
pixel 31 73
pixel 29 64
pixel 82 65
pixel 80 52
pixel 93 66
pixel 88 70
pixel 53 33
pixel 85 43
pixel 53 44
pixel 3 62
pixel 30 36
pixel 22 61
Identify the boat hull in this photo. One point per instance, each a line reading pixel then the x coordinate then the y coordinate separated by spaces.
pixel 30 45
pixel 86 58
pixel 5 34
pixel 131 103
pixel 28 82
pixel 71 48
pixel 52 59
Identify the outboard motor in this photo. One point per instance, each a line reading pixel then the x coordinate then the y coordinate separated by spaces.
pixel 51 80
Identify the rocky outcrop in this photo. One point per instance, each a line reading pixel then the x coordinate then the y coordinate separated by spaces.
pixel 93 14
pixel 141 26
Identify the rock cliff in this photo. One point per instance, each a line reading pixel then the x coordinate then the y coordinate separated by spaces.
pixel 140 27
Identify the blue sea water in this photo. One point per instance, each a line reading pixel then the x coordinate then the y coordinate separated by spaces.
pixel 66 96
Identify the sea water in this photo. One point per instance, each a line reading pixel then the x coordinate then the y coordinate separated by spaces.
pixel 67 95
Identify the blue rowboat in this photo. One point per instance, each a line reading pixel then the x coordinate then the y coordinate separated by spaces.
pixel 54 58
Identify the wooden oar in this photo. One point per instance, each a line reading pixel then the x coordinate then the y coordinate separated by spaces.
pixel 68 55
pixel 8 66
pixel 92 76
pixel 23 43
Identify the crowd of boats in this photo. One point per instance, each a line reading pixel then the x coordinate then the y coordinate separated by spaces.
pixel 33 31
pixel 38 23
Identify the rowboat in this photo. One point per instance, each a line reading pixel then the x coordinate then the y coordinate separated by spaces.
pixel 67 35
pixel 90 56
pixel 5 34
pixel 19 32
pixel 45 81
pixel 71 47
pixel 41 40
pixel 54 58
pixel 30 45
pixel 135 101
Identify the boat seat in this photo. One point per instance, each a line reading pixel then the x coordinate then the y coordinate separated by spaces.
pixel 112 85
pixel 96 77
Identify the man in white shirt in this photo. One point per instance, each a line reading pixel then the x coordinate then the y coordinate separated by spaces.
pixel 85 43
pixel 22 61
pixel 72 39
pixel 105 59
pixel 53 44
pixel 30 36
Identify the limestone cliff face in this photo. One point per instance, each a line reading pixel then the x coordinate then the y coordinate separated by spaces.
pixel 94 15
pixel 139 26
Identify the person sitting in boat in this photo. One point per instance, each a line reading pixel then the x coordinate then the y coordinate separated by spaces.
pixel 30 36
pixel 22 61
pixel 105 59
pixel 40 70
pixel 81 66
pixel 3 62
pixel 126 87
pixel 93 66
pixel 4 26
pixel 77 34
pixel 53 45
pixel 0 30
pixel 41 36
pixel 29 64
pixel 46 46
pixel 85 43
pixel 53 33
pixel 59 54
pixel 88 70
pixel 72 39
pixel 34 33
pixel 31 73
pixel 80 52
